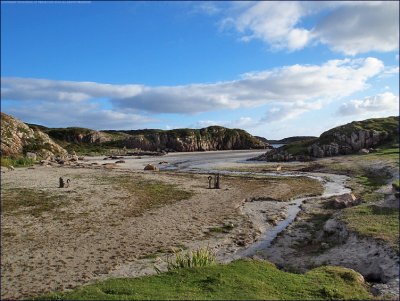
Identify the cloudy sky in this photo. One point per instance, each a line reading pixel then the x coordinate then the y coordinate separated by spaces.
pixel 275 69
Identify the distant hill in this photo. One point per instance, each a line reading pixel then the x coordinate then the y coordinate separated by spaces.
pixel 342 140
pixel 180 140
pixel 83 140
pixel 289 140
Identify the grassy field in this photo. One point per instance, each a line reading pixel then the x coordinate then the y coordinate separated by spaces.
pixel 297 186
pixel 239 280
pixel 149 194
pixel 16 162
pixel 368 219
pixel 378 222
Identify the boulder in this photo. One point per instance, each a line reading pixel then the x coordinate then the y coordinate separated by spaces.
pixel 32 156
pixel 363 151
pixel 345 200
pixel 150 167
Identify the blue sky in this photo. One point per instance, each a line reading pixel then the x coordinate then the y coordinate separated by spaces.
pixel 275 69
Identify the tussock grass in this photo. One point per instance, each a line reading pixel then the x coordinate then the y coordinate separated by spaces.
pixel 239 280
pixel 191 259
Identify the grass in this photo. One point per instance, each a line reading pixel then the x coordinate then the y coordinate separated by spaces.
pixel 26 200
pixel 191 259
pixel 378 222
pixel 147 194
pixel 299 186
pixel 222 229
pixel 242 279
pixel 16 162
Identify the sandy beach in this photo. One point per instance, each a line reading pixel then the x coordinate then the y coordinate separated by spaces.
pixel 96 229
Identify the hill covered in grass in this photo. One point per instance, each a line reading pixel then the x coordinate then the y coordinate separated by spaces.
pixel 239 280
pixel 350 138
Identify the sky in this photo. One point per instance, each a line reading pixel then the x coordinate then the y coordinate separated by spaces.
pixel 275 69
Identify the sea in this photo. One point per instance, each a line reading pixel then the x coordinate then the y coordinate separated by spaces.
pixel 277 145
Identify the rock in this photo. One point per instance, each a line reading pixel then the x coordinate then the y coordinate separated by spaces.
pixel 109 165
pixel 32 156
pixel 74 158
pixel 120 161
pixel 324 245
pixel 331 226
pixel 150 167
pixel 344 201
pixel 17 138
pixel 363 151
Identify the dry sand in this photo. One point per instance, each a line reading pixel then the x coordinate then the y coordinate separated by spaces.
pixel 90 237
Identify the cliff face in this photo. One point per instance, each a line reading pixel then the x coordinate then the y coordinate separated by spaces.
pixel 353 137
pixel 347 139
pixel 180 140
pixel 343 144
pixel 17 138
pixel 188 140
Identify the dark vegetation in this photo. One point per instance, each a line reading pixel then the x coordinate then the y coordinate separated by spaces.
pixel 289 140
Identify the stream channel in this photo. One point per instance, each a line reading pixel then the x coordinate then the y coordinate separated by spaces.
pixel 333 185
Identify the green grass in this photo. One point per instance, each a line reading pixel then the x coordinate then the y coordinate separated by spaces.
pixel 384 152
pixel 242 279
pixel 222 229
pixel 29 201
pixel 17 162
pixel 147 193
pixel 396 185
pixel 378 222
pixel 191 259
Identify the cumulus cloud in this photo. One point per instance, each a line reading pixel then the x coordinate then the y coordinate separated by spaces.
pixel 76 114
pixel 336 78
pixel 349 27
pixel 289 111
pixel 270 21
pixel 361 27
pixel 52 90
pixel 385 102
pixel 289 88
pixel 242 122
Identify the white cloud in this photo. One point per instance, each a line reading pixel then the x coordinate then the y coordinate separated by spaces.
pixel 52 90
pixel 207 7
pixel 242 122
pixel 294 88
pixel 76 114
pixel 350 27
pixel 385 102
pixel 289 111
pixel 392 70
pixel 272 22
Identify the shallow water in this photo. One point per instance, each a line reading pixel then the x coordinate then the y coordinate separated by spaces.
pixel 333 185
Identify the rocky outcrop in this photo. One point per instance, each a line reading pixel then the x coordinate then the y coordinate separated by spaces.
pixel 189 140
pixel 355 137
pixel 18 139
pixel 334 143
pixel 280 155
